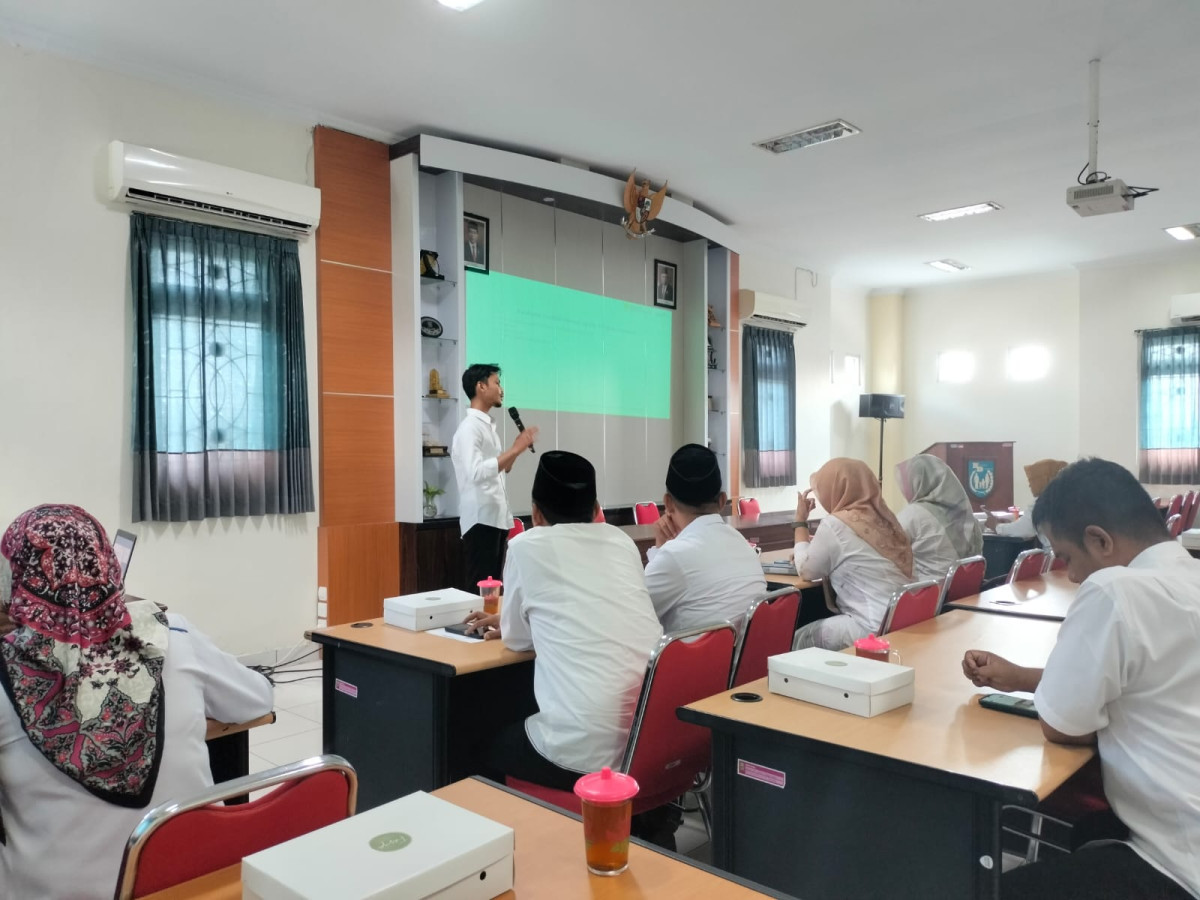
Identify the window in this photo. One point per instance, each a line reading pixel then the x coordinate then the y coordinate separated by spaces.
pixel 956 366
pixel 1169 421
pixel 768 407
pixel 222 401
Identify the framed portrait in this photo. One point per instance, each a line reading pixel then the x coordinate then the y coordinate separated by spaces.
pixel 665 282
pixel 476 244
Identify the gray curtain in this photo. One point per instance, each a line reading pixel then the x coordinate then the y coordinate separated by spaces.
pixel 221 392
pixel 1169 423
pixel 768 407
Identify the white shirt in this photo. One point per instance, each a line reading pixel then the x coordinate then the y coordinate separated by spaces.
pixel 63 842
pixel 1021 527
pixel 707 573
pixel 933 554
pixel 575 594
pixel 1127 666
pixel 475 452
pixel 864 580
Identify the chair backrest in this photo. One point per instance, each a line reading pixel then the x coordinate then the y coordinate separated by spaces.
pixel 1189 520
pixel 770 627
pixel 963 579
pixel 1028 564
pixel 1175 505
pixel 1053 563
pixel 184 839
pixel 911 604
pixel 1175 525
pixel 518 528
pixel 645 513
pixel 599 514
pixel 748 506
pixel 663 753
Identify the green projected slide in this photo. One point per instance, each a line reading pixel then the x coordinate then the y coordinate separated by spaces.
pixel 568 350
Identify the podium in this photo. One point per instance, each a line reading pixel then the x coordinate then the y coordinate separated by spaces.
pixel 985 469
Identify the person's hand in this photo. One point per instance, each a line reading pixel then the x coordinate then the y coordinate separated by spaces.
pixel 805 503
pixel 991 521
pixel 990 670
pixel 526 439
pixel 482 623
pixel 664 529
pixel 6 624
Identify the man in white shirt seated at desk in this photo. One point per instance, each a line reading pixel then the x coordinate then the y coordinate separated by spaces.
pixel 700 570
pixel 1124 675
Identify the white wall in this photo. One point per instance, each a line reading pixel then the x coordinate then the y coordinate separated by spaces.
pixel 987 318
pixel 66 337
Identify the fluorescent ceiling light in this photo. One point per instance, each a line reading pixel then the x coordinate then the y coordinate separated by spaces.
pixel 459 5
pixel 1183 232
pixel 818 134
pixel 1029 363
pixel 960 211
pixel 956 367
pixel 948 265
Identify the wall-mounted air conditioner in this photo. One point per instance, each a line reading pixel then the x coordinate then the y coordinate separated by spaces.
pixel 191 188
pixel 767 311
pixel 1185 309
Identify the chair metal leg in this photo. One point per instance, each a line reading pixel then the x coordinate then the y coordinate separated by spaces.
pixel 705 812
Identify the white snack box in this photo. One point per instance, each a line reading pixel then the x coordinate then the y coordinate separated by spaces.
pixel 865 687
pixel 430 609
pixel 428 849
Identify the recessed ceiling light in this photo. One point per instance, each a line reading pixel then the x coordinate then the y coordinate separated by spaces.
pixel 959 211
pixel 1183 232
pixel 818 134
pixel 948 265
pixel 459 5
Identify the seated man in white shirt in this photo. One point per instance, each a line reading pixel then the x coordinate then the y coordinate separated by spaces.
pixel 574 593
pixel 700 570
pixel 1124 675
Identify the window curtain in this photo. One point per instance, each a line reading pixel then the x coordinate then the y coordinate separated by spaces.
pixel 221 391
pixel 768 407
pixel 1169 426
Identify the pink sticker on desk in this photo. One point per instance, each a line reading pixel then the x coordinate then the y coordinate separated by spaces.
pixel 350 690
pixel 754 771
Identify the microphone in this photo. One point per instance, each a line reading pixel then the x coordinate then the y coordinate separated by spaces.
pixel 516 417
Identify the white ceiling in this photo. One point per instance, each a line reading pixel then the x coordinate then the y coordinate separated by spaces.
pixel 959 101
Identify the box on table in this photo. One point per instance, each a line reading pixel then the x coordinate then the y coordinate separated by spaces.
pixel 865 687
pixel 416 848
pixel 430 609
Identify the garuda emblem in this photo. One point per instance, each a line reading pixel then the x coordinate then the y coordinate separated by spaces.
pixel 641 206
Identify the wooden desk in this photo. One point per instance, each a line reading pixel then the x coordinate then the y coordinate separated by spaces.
pixel 548 856
pixel 1048 596
pixel 922 785
pixel 794 580
pixel 772 530
pixel 408 709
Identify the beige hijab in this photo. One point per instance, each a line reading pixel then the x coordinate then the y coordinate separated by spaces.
pixel 1041 473
pixel 848 489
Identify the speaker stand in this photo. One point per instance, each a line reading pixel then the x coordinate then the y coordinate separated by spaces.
pixel 881 421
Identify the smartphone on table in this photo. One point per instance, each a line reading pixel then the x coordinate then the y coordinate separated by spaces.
pixel 1018 706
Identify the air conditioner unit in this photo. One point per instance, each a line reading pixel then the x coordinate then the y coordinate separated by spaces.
pixel 191 188
pixel 1185 309
pixel 766 311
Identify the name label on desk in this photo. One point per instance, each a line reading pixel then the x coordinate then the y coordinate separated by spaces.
pixel 755 772
pixel 350 690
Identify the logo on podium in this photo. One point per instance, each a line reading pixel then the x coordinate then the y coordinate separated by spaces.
pixel 981 477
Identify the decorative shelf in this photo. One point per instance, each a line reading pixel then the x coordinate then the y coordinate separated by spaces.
pixel 440 399
pixel 718 327
pixel 716 369
pixel 425 279
pixel 426 337
pixel 431 456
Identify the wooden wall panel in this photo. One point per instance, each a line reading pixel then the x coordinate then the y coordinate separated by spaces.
pixel 355 181
pixel 357 474
pixel 363 569
pixel 355 330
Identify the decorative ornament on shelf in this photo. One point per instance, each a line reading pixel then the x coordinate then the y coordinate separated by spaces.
pixel 431 492
pixel 641 206
pixel 429 265
pixel 429 448
pixel 713 321
pixel 712 355
pixel 431 327
pixel 435 386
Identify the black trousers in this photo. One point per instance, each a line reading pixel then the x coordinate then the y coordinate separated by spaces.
pixel 1106 872
pixel 510 752
pixel 482 555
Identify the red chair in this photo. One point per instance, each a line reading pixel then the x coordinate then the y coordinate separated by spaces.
pixel 518 528
pixel 911 604
pixel 1175 525
pixel 645 513
pixel 770 627
pixel 599 515
pixel 1189 520
pixel 183 839
pixel 963 579
pixel 748 507
pixel 1028 564
pixel 1175 505
pixel 664 754
pixel 1053 563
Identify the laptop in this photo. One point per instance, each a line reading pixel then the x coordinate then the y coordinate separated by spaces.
pixel 123 546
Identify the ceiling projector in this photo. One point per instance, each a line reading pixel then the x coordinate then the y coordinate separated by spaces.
pixel 1099 197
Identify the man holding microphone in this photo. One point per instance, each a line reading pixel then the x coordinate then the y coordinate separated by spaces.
pixel 479 465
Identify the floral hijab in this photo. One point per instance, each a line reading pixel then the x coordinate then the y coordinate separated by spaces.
pixel 82 668
pixel 850 491
pixel 927 480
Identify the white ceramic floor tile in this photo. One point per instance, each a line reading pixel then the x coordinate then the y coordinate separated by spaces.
pixel 309 711
pixel 297 693
pixel 291 749
pixel 258 764
pixel 286 724
pixel 690 833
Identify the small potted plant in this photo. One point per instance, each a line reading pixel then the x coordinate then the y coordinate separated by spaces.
pixel 431 491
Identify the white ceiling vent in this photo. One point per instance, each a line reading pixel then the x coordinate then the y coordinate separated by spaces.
pixel 818 134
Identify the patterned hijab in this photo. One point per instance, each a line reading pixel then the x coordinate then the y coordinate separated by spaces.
pixel 1041 473
pixel 927 480
pixel 848 489
pixel 82 669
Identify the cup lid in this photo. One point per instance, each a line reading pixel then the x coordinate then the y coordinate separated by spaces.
pixel 606 786
pixel 872 643
pixel 490 582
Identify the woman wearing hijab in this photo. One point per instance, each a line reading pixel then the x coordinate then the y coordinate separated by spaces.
pixel 1039 475
pixel 104 707
pixel 938 518
pixel 860 548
